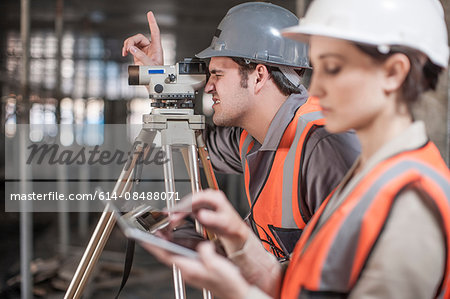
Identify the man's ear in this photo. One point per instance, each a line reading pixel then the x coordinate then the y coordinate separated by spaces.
pixel 261 77
pixel 396 69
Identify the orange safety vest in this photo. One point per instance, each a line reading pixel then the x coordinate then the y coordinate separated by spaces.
pixel 332 260
pixel 277 204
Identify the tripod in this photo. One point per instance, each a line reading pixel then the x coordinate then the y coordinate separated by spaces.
pixel 178 127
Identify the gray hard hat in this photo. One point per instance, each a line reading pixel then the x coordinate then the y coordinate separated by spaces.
pixel 252 31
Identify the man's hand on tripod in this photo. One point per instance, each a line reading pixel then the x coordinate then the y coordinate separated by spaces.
pixel 145 51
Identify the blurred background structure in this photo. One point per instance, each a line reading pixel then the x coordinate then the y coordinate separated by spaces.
pixel 61 63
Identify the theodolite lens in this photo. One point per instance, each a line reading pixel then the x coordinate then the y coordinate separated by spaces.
pixel 133 75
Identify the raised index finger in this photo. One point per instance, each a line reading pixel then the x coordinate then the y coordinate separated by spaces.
pixel 154 29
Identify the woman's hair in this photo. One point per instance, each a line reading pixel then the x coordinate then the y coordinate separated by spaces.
pixel 280 80
pixel 421 77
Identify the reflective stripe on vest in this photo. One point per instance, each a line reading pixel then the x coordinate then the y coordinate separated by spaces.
pixel 277 203
pixel 337 253
pixel 291 169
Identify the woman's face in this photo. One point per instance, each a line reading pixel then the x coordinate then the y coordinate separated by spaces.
pixel 348 83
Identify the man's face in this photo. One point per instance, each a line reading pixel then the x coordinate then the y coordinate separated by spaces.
pixel 231 100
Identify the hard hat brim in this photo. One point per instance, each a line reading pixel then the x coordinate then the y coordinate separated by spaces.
pixel 208 53
pixel 303 33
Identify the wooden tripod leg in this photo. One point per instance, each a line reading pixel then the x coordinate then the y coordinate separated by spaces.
pixel 185 154
pixel 206 162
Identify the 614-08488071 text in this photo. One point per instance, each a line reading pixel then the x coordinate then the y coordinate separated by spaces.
pixel 140 196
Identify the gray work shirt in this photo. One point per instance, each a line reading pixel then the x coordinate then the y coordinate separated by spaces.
pixel 327 156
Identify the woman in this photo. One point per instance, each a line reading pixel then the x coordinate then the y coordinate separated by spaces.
pixel 385 231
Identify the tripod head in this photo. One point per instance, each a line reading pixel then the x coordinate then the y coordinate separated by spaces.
pixel 171 86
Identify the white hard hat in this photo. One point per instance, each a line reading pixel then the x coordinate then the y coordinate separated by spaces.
pixel 418 24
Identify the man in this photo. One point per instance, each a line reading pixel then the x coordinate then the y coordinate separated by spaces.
pixel 267 127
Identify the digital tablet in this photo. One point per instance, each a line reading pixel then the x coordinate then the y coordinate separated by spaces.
pixel 142 223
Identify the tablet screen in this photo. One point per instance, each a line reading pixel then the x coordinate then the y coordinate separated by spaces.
pixel 157 223
pixel 147 225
